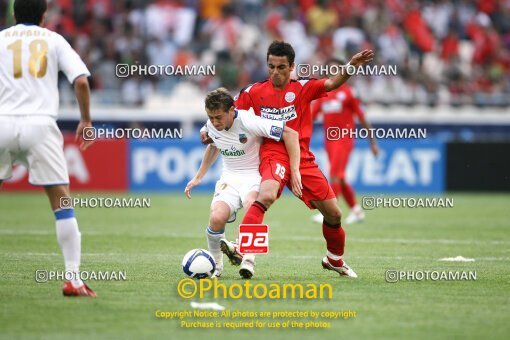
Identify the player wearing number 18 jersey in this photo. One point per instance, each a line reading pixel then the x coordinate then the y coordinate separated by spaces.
pixel 281 98
pixel 31 57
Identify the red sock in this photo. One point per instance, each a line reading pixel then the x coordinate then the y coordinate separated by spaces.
pixel 335 242
pixel 337 189
pixel 349 195
pixel 255 215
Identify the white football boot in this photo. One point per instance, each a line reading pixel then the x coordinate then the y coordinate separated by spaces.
pixel 230 249
pixel 318 218
pixel 344 270
pixel 247 266
pixel 356 215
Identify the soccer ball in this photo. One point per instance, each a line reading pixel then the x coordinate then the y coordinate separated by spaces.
pixel 198 263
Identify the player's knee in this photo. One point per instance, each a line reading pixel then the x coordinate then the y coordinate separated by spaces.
pixel 333 216
pixel 218 218
pixel 217 222
pixel 267 198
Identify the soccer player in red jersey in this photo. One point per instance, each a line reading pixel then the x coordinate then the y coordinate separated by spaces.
pixel 340 108
pixel 281 98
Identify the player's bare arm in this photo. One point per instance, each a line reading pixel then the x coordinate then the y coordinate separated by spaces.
pixel 291 140
pixel 357 60
pixel 82 92
pixel 373 142
pixel 204 136
pixel 210 156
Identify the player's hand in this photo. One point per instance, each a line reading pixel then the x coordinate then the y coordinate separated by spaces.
pixel 204 138
pixel 191 184
pixel 295 183
pixel 85 144
pixel 375 149
pixel 362 58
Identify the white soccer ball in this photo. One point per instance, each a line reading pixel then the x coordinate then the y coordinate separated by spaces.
pixel 198 263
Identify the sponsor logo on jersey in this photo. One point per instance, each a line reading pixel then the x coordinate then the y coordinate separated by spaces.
pixel 290 96
pixel 284 113
pixel 276 131
pixel 232 152
pixel 242 138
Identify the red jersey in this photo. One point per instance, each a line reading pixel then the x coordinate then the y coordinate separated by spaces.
pixel 292 105
pixel 339 108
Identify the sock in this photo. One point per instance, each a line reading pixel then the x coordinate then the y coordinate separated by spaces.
pixel 335 242
pixel 337 188
pixel 255 215
pixel 349 195
pixel 213 242
pixel 69 240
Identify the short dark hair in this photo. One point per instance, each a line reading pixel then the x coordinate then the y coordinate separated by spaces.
pixel 29 11
pixel 219 99
pixel 281 49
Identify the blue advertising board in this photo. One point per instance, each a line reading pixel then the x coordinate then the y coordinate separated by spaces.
pixel 168 165
pixel 403 166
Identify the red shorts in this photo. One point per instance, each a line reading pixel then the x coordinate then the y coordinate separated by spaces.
pixel 338 154
pixel 315 184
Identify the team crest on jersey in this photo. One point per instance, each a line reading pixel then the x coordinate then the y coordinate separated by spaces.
pixel 290 96
pixel 242 138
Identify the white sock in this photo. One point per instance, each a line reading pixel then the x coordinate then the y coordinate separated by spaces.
pixel 213 242
pixel 356 209
pixel 69 240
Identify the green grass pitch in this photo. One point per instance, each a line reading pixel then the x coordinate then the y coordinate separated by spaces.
pixel 149 244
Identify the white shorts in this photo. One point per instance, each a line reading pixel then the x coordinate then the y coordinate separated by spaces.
pixel 37 143
pixel 233 189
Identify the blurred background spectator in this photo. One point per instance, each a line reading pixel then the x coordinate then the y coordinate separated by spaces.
pixel 447 52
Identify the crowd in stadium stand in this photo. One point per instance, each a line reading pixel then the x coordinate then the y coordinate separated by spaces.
pixel 446 52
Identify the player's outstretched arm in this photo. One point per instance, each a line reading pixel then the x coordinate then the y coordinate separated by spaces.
pixel 357 60
pixel 82 92
pixel 210 155
pixel 291 139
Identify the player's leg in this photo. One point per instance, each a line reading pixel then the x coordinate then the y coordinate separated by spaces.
pixel 69 239
pixel 266 197
pixel 215 232
pixel 340 184
pixel 8 146
pixel 356 214
pixel 249 190
pixel 334 235
pixel 318 194
pixel 247 268
pixel 335 154
pixel 275 174
pixel 43 144
pixel 225 204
